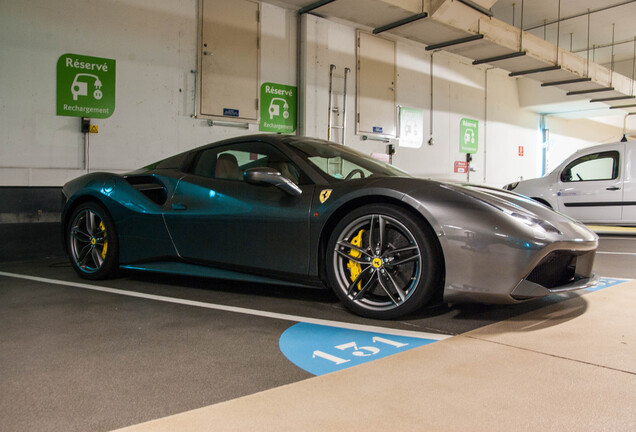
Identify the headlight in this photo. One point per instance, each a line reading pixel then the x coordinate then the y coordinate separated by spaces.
pixel 511 186
pixel 535 223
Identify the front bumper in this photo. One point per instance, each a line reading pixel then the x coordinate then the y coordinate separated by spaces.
pixel 528 290
pixel 557 269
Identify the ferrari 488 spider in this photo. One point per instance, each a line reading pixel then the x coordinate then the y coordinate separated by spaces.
pixel 307 212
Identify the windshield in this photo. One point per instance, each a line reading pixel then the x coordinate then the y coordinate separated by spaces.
pixel 343 163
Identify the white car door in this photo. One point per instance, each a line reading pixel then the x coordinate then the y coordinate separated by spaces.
pixel 590 188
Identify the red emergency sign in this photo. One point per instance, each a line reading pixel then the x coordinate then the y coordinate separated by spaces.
pixel 461 167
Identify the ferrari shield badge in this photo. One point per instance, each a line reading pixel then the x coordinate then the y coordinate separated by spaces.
pixel 324 195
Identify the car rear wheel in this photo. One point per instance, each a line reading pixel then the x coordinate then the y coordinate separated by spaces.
pixel 91 242
pixel 382 262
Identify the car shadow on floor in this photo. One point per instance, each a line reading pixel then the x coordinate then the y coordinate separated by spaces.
pixel 322 303
pixel 442 318
pixel 233 287
pixel 460 318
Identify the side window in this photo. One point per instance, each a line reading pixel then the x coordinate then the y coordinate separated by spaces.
pixel 593 167
pixel 338 167
pixel 230 162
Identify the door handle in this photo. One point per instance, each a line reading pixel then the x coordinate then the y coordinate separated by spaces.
pixel 612 188
pixel 179 206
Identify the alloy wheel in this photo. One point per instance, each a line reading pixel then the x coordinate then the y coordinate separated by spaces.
pixel 88 240
pixel 377 262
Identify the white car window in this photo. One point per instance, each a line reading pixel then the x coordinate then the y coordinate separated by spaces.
pixel 597 166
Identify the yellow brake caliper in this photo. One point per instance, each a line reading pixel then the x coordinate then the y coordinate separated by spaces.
pixel 103 228
pixel 354 268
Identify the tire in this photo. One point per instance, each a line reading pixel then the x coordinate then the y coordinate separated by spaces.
pixel 91 242
pixel 382 262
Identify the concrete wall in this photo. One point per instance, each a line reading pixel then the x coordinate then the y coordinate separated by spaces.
pixel 154 43
pixel 570 135
pixel 623 67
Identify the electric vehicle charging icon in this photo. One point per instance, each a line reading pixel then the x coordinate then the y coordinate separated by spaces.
pixel 274 108
pixel 411 129
pixel 469 136
pixel 80 88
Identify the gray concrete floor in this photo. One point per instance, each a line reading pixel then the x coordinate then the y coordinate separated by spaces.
pixel 566 367
pixel 76 359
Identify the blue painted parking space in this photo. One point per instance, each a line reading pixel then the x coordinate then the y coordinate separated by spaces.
pixel 606 283
pixel 320 349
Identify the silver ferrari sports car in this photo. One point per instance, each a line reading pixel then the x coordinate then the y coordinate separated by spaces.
pixel 307 212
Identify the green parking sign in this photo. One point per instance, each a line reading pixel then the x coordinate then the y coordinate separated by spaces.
pixel 85 86
pixel 278 108
pixel 468 132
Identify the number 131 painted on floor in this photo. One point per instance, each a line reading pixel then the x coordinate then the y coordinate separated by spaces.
pixel 363 351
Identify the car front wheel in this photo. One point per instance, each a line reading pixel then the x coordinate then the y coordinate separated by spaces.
pixel 382 262
pixel 91 241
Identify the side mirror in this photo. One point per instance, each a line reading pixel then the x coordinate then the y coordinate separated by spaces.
pixel 566 176
pixel 264 175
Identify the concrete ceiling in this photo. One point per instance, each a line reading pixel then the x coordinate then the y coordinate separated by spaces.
pixel 488 32
pixel 540 15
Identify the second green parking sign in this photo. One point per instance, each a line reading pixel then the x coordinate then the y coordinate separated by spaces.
pixel 468 130
pixel 278 108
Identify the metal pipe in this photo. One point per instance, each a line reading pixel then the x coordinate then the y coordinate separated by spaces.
pixel 607 45
pixel 513 14
pixel 633 65
pixel 565 82
pixel 622 106
pixel 344 107
pixel 374 138
pixel 437 46
pixel 534 71
pixel 521 29
pixel 228 124
pixel 612 58
pixel 596 90
pixel 625 122
pixel 86 152
pixel 299 29
pixel 477 7
pixel 196 79
pixel 587 56
pixel 558 33
pixel 331 68
pixel 400 23
pixel 579 15
pixel 430 140
pixel 486 121
pixel 313 6
pixel 545 142
pixel 612 99
pixel 196 60
pixel 499 58
pixel 544 29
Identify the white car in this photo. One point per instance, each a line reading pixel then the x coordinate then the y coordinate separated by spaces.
pixel 594 185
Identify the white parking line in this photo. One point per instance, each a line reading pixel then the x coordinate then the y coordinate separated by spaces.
pixel 254 312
